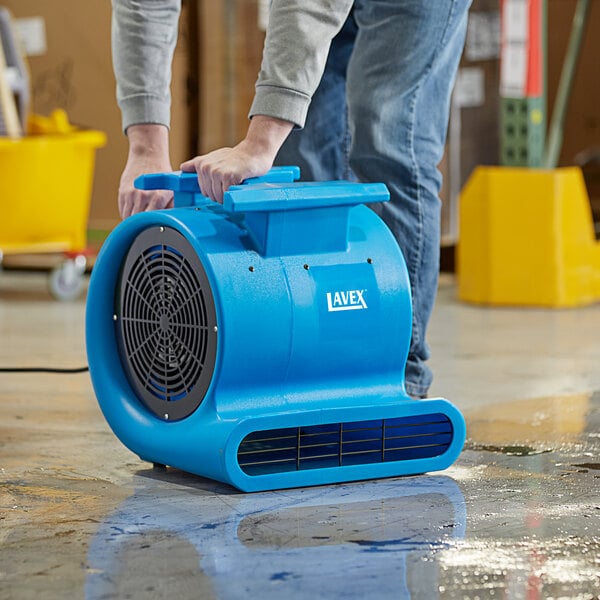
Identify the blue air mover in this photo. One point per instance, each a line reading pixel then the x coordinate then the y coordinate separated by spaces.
pixel 262 342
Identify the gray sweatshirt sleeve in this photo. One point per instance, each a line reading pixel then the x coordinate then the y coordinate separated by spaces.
pixel 144 34
pixel 296 46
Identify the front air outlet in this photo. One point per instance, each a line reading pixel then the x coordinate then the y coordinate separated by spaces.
pixel 344 444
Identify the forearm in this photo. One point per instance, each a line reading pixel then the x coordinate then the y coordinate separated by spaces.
pixel 148 153
pixel 148 140
pixel 144 35
pixel 266 135
pixel 296 47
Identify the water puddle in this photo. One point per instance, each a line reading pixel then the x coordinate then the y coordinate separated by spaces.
pixel 589 466
pixel 508 450
pixel 534 426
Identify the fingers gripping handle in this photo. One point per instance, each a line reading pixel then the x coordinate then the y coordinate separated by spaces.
pixel 187 189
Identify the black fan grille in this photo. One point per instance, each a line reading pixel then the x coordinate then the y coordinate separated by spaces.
pixel 166 323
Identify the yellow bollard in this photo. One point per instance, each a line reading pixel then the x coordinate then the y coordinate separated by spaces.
pixel 527 238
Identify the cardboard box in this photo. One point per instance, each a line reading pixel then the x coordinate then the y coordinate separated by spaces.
pixel 473 131
pixel 71 69
pixel 230 52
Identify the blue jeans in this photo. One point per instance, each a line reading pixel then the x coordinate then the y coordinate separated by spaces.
pixel 381 114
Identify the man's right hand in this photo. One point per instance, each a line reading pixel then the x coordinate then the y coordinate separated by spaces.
pixel 148 153
pixel 252 157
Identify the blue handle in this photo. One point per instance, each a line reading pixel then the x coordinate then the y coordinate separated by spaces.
pixel 277 190
pixel 179 181
pixel 267 197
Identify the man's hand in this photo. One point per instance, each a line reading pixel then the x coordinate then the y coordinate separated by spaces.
pixel 148 153
pixel 252 157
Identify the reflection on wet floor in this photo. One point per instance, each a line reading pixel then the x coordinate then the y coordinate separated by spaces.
pixel 517 516
pixel 324 542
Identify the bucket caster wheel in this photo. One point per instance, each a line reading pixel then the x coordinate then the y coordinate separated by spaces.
pixel 66 280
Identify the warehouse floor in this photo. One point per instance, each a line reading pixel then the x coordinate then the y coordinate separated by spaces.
pixel 517 516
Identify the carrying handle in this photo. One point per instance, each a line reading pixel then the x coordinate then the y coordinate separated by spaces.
pixel 281 215
pixel 270 198
pixel 277 190
pixel 187 183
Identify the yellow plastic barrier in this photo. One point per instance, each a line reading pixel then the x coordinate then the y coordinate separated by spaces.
pixel 527 238
pixel 45 186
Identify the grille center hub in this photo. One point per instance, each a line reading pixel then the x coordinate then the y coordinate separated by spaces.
pixel 164 323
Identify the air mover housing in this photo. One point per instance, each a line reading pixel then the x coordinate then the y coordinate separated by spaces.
pixel 262 342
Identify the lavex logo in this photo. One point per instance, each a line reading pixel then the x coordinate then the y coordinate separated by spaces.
pixel 347 300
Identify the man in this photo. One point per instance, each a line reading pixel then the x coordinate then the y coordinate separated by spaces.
pixel 386 70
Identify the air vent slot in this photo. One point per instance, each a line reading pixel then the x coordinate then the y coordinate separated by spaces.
pixel 344 444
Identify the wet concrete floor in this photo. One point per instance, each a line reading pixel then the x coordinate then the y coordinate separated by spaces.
pixel 517 516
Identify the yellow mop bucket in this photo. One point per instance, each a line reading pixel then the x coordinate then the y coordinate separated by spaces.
pixel 45 186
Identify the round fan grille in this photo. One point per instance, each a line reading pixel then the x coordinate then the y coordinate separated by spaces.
pixel 166 323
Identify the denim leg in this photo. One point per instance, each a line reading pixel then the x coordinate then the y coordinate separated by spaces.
pixel 321 148
pixel 399 82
